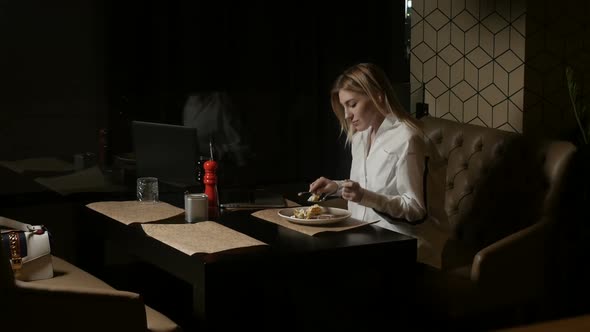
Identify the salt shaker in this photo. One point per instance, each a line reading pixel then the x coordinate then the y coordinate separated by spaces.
pixel 195 207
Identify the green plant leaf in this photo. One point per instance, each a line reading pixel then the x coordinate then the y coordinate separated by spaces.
pixel 578 110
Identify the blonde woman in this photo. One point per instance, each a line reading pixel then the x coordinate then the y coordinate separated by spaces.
pixel 388 160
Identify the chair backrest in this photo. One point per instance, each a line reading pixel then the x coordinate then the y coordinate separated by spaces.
pixel 458 156
pixel 488 183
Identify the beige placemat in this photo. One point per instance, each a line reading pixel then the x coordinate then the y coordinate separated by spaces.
pixel 273 216
pixel 38 164
pixel 290 203
pixel 128 212
pixel 202 237
pixel 87 180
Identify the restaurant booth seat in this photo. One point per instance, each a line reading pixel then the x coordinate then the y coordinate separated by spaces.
pixel 500 196
pixel 73 300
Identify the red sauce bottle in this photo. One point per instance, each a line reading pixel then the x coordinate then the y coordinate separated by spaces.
pixel 210 181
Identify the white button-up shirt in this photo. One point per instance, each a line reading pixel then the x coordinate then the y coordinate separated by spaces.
pixel 392 174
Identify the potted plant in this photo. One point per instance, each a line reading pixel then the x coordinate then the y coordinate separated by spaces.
pixel 575 215
pixel 580 137
pixel 579 109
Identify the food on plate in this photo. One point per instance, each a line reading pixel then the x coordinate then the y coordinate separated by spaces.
pixel 314 198
pixel 311 212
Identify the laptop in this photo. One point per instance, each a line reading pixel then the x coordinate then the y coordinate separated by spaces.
pixel 250 198
pixel 168 152
pixel 171 152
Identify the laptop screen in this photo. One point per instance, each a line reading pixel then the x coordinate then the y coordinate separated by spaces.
pixel 168 152
pixel 250 198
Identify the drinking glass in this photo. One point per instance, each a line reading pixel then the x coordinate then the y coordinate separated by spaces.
pixel 147 189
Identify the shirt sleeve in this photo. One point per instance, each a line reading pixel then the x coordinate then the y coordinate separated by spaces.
pixel 338 191
pixel 408 204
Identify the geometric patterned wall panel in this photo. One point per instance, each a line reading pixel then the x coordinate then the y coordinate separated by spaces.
pixel 467 60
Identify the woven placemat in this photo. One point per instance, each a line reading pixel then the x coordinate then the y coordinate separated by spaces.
pixel 201 237
pixel 38 164
pixel 128 212
pixel 87 180
pixel 272 215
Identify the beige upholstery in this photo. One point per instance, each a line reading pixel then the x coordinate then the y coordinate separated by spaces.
pixel 575 323
pixel 74 300
pixel 498 195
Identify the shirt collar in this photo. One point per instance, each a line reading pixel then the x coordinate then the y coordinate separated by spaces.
pixel 390 121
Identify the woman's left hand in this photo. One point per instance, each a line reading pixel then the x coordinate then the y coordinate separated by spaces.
pixel 352 191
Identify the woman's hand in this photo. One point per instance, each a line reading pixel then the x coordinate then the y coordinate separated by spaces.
pixel 323 185
pixel 352 191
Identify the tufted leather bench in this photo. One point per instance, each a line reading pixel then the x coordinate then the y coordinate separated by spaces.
pixel 497 194
pixel 74 300
pixel 458 156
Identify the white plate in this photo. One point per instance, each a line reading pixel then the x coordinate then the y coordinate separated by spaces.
pixel 339 214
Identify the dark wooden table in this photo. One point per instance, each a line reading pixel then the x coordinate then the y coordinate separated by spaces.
pixel 355 279
pixel 352 279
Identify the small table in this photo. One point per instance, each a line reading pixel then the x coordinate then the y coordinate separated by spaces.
pixel 295 283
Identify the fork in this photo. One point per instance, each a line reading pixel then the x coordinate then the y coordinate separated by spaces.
pixel 322 196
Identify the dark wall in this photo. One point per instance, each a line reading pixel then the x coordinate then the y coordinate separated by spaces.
pixel 277 61
pixel 70 67
pixel 52 98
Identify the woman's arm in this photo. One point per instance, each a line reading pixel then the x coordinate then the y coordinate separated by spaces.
pixel 408 202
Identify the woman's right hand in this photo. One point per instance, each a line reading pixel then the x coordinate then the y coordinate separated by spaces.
pixel 323 185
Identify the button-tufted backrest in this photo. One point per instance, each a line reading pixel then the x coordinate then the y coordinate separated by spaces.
pixel 485 183
pixel 458 155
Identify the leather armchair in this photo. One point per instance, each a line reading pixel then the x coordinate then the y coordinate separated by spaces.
pixel 499 195
pixel 73 300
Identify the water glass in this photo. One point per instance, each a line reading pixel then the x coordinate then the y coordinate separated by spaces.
pixel 147 189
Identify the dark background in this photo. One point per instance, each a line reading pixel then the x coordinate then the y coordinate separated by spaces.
pixel 72 67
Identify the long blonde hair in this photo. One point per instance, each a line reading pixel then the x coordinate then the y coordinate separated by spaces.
pixel 370 80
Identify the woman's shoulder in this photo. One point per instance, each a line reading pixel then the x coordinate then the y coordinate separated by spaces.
pixel 404 128
pixel 406 136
